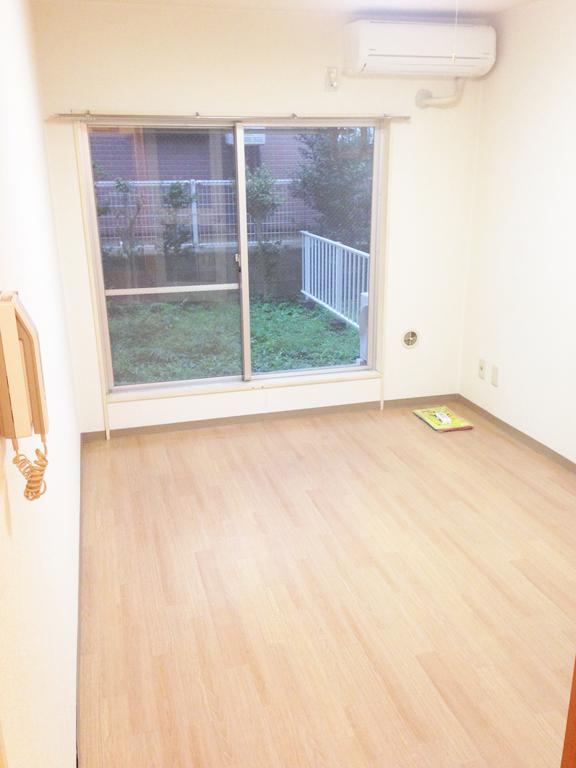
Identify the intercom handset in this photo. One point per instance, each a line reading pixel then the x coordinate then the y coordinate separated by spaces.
pixel 22 399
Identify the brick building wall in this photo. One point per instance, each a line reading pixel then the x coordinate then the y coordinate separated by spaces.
pixel 181 155
pixel 112 155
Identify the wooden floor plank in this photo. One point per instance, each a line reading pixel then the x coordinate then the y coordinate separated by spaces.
pixel 340 590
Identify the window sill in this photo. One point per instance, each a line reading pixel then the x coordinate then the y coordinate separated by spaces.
pixel 188 389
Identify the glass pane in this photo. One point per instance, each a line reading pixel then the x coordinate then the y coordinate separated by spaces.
pixel 309 200
pixel 174 337
pixel 166 205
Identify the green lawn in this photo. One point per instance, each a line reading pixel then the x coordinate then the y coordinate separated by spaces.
pixel 186 339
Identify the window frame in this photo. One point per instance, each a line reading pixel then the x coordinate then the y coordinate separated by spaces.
pixel 112 392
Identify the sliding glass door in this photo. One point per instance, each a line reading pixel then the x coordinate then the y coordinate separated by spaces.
pixel 166 211
pixel 233 251
pixel 309 202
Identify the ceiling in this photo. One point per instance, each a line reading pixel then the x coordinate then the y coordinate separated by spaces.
pixel 366 7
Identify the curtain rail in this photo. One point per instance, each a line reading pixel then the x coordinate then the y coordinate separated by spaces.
pixel 105 117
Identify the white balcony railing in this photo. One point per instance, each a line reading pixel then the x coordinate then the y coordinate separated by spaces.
pixel 335 276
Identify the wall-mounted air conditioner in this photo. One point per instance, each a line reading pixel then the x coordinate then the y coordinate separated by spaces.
pixel 425 49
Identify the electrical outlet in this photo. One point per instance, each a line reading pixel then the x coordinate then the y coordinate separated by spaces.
pixel 481 369
pixel 332 79
pixel 494 376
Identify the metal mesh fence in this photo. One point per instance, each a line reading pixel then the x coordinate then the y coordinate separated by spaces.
pixel 204 211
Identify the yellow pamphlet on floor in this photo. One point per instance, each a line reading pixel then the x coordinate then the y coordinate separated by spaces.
pixel 442 419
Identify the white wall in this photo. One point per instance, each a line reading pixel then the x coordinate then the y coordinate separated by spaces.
pixel 179 60
pixel 38 540
pixel 521 308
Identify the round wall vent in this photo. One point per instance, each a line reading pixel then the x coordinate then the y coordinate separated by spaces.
pixel 410 339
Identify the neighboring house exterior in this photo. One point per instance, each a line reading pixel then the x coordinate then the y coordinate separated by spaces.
pixel 182 155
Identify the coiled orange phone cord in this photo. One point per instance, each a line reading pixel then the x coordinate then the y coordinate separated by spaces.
pixel 32 471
